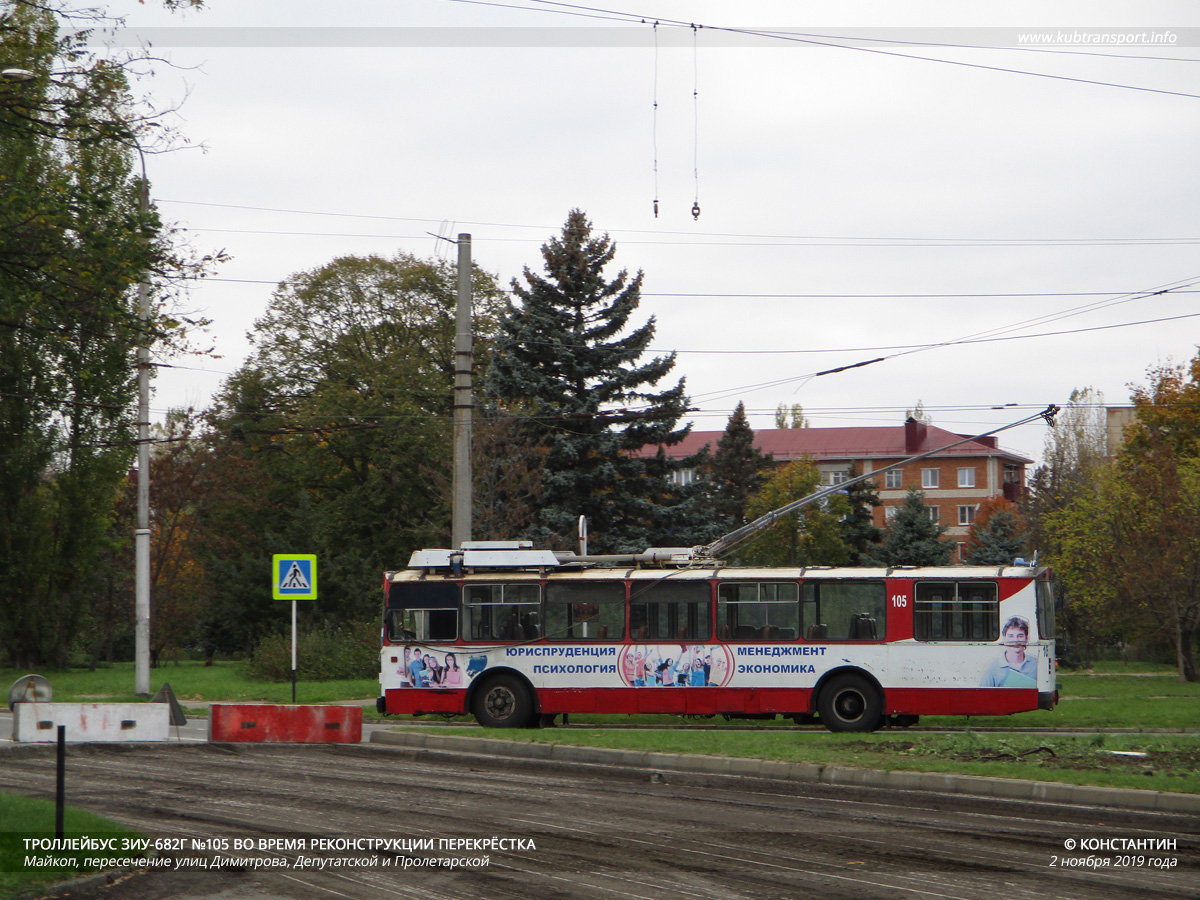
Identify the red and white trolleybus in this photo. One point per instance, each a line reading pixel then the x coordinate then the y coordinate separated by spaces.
pixel 510 634
pixel 514 635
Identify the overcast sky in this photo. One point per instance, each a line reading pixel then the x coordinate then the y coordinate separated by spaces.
pixel 866 189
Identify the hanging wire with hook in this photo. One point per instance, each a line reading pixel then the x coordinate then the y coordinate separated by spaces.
pixel 696 118
pixel 655 122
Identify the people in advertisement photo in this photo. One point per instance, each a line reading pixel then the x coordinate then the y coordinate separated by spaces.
pixel 675 665
pixel 423 670
pixel 452 675
pixel 415 667
pixel 1014 667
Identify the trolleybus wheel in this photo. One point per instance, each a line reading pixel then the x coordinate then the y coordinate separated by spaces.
pixel 850 703
pixel 503 702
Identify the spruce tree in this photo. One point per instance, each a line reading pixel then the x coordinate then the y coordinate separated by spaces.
pixel 998 536
pixel 567 364
pixel 737 470
pixel 913 538
pixel 858 527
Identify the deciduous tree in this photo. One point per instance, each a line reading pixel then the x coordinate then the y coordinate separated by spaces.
pixel 74 242
pixel 811 536
pixel 339 428
pixel 1129 545
pixel 1074 454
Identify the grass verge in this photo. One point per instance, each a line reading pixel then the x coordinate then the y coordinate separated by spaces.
pixel 1089 701
pixel 1144 762
pixel 24 818
pixel 193 681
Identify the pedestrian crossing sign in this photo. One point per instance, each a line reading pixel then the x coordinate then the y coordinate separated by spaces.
pixel 294 576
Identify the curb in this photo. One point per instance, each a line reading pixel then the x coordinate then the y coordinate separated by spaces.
pixel 975 785
pixel 66 888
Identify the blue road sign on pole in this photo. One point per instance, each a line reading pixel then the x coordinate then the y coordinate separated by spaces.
pixel 294 576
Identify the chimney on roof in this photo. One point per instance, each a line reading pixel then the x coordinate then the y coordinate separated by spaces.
pixel 914 435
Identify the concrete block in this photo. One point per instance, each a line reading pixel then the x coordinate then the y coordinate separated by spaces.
pixel 266 723
pixel 88 722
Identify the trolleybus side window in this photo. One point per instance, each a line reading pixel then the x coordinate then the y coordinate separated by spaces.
pixel 1047 629
pixel 425 611
pixel 585 611
pixel 844 610
pixel 758 611
pixel 956 611
pixel 503 612
pixel 670 611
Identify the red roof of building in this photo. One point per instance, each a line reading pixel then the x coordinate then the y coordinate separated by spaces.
pixel 870 442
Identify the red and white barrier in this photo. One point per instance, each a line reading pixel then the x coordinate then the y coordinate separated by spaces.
pixel 264 723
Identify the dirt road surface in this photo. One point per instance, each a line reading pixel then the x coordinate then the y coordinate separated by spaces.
pixel 527 830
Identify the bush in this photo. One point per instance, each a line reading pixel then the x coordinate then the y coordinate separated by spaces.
pixel 323 654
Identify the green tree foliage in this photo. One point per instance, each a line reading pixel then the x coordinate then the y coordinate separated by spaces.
pixel 998 535
pixel 178 586
pixel 1129 546
pixel 859 530
pixel 1130 549
pixel 337 431
pixel 790 416
pixel 1074 454
pixel 738 470
pixel 507 474
pixel 912 538
pixel 74 242
pixel 1075 446
pixel 811 536
pixel 568 364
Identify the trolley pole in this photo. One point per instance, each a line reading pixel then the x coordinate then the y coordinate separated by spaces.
pixel 460 525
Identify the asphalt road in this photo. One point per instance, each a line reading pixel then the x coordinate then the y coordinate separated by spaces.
pixel 583 831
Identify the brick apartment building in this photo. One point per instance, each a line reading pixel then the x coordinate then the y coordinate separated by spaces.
pixel 954 482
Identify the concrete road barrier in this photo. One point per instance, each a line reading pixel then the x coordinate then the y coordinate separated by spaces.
pixel 87 722
pixel 264 723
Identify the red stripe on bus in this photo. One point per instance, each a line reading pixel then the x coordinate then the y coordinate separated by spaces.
pixel 989 701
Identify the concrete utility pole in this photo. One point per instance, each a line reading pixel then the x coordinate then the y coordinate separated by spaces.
pixel 460 525
pixel 142 534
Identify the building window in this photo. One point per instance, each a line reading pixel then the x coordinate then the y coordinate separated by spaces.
pixel 1012 474
pixel 893 479
pixel 889 513
pixel 966 515
pixel 932 512
pixel 929 478
pixel 683 477
pixel 966 477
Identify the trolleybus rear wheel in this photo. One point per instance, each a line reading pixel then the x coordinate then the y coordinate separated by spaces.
pixel 850 703
pixel 503 702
